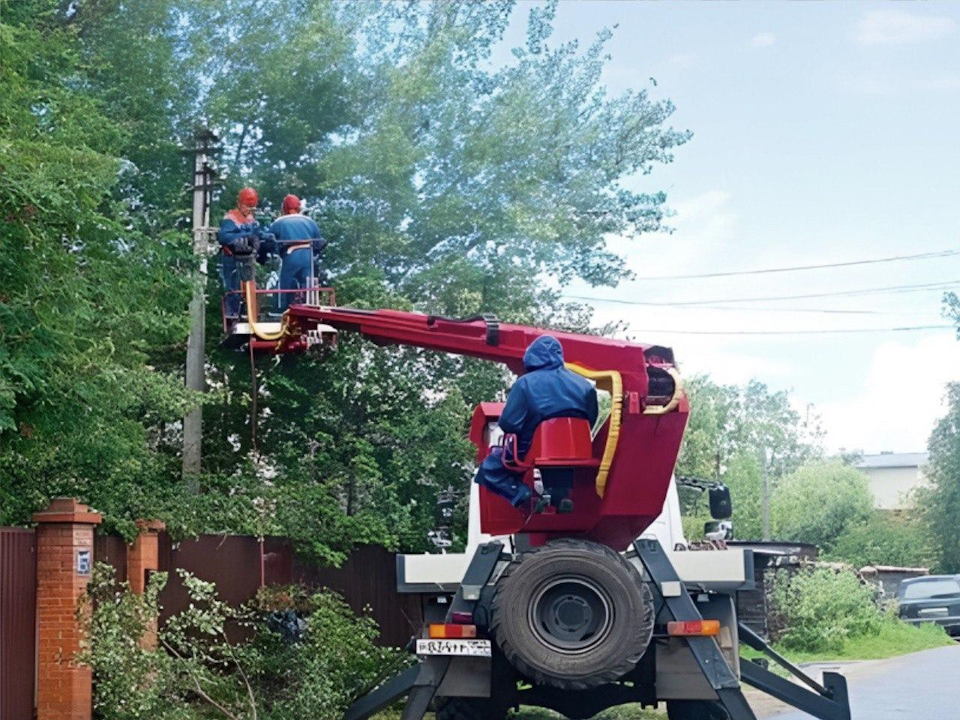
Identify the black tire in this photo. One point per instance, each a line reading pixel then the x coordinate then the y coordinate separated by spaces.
pixel 470 709
pixel 572 614
pixel 695 710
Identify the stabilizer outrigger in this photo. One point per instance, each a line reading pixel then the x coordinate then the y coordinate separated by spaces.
pixel 422 683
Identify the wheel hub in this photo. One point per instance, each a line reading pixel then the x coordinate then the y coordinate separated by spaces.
pixel 571 614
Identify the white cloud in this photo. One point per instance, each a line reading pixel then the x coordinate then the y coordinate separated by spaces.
pixel 898 27
pixel 900 400
pixel 764 39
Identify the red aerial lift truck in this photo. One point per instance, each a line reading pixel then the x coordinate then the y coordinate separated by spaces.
pixel 580 611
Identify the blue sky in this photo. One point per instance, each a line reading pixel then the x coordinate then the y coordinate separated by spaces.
pixel 823 132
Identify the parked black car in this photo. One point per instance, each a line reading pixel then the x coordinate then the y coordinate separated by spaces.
pixel 935 598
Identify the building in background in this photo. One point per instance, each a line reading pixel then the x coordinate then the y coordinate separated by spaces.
pixel 893 477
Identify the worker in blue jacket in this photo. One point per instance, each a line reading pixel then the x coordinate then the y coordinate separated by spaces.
pixel 240 236
pixel 547 390
pixel 296 235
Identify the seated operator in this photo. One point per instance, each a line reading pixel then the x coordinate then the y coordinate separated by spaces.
pixel 547 390
pixel 240 235
pixel 295 235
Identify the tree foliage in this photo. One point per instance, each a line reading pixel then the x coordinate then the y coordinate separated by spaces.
pixel 940 502
pixel 728 421
pixel 886 540
pixel 819 502
pixel 89 294
pixel 450 177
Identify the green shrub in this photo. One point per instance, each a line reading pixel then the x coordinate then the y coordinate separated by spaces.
pixel 885 540
pixel 820 608
pixel 196 671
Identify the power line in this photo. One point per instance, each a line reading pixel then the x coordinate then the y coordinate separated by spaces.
pixel 719 301
pixel 839 331
pixel 795 268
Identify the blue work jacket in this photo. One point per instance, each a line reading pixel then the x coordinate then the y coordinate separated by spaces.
pixel 294 227
pixel 547 390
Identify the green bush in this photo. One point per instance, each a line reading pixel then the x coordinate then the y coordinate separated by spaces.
pixel 197 671
pixel 820 608
pixel 885 540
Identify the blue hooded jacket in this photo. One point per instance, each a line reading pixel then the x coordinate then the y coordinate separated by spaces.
pixel 294 227
pixel 547 390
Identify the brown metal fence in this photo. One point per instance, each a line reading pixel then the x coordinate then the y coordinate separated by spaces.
pixel 240 565
pixel 18 625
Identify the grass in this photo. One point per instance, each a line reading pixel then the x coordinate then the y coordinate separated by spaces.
pixel 894 638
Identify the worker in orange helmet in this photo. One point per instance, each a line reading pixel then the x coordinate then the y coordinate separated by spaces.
pixel 240 235
pixel 298 240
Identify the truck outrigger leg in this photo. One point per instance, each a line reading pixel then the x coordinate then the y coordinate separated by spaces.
pixel 490 686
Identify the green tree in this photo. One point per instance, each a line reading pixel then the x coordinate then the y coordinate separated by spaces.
pixel 940 503
pixel 885 540
pixel 445 182
pixel 91 299
pixel 727 421
pixel 819 502
pixel 745 480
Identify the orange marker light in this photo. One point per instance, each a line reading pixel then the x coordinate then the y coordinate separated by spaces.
pixel 699 628
pixel 446 631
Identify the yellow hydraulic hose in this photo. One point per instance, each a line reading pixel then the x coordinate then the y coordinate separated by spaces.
pixel 610 381
pixel 250 294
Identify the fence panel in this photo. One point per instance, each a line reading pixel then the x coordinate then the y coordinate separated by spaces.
pixel 18 624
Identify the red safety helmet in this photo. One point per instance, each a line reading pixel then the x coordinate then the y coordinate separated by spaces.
pixel 248 197
pixel 291 203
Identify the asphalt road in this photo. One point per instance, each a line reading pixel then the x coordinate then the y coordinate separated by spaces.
pixel 921 686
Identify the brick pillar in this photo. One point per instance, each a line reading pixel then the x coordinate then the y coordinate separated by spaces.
pixel 143 555
pixel 64 564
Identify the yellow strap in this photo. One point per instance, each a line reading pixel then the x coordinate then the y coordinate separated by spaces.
pixel 610 381
pixel 250 294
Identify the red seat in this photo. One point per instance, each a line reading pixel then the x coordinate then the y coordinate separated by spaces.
pixel 558 442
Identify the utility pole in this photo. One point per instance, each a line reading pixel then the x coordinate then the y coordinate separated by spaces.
pixel 765 496
pixel 203 176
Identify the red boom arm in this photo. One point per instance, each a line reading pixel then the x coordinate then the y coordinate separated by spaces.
pixel 649 439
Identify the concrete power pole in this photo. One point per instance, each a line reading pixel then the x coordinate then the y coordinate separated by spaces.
pixel 765 497
pixel 203 175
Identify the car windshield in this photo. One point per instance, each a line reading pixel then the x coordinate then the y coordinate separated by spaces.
pixel 941 587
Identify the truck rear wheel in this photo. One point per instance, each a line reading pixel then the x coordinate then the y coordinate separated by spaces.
pixel 572 614
pixel 455 708
pixel 695 710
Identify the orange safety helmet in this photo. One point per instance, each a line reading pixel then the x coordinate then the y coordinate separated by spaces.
pixel 248 197
pixel 291 204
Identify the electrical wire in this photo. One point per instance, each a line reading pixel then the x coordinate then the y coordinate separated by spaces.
pixel 719 301
pixel 839 331
pixel 795 268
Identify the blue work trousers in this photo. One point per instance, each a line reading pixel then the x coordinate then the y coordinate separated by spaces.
pixel 498 479
pixel 230 274
pixel 295 271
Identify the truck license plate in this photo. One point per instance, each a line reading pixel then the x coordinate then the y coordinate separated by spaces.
pixel 471 648
pixel 934 612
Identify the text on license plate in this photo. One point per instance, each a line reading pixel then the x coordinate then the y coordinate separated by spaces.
pixel 472 648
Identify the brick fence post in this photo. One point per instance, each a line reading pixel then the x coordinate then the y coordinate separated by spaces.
pixel 64 563
pixel 143 556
